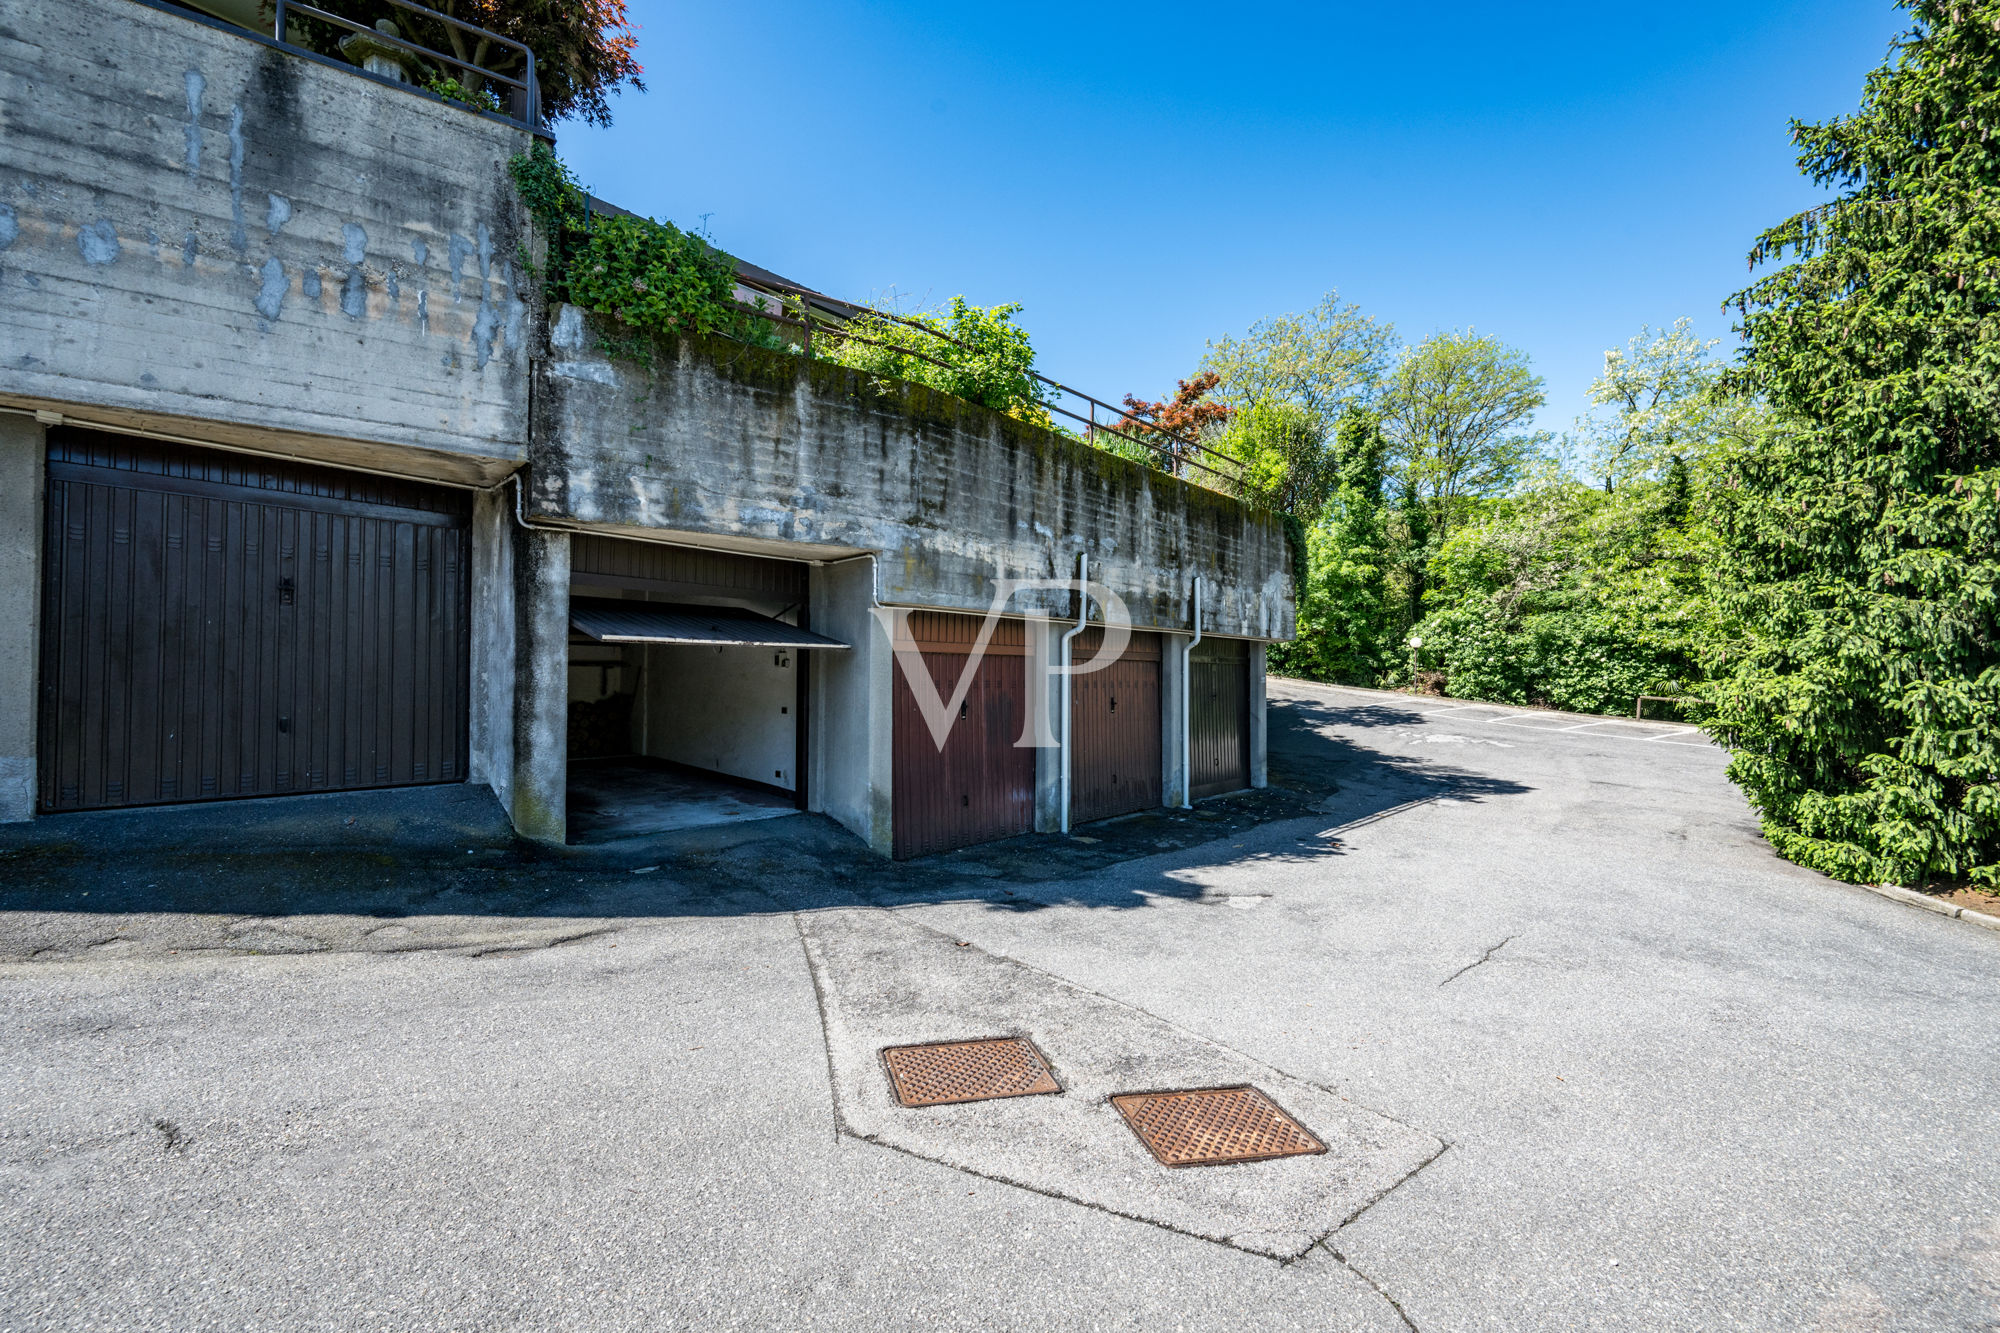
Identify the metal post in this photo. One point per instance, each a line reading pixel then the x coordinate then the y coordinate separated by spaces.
pixel 280 24
pixel 534 89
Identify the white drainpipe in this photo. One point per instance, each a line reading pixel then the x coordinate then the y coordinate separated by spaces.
pixel 1082 615
pixel 1187 704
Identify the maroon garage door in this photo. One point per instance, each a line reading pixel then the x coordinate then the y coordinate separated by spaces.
pixel 1115 730
pixel 1219 725
pixel 981 785
pixel 217 626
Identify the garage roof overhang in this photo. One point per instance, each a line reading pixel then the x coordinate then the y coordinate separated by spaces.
pixel 612 620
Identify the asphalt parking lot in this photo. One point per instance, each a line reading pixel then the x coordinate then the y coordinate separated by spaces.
pixel 1584 1053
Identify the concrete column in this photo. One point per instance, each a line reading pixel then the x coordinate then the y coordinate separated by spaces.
pixel 1044 640
pixel 537 799
pixel 493 629
pixel 1173 703
pixel 850 730
pixel 1260 766
pixel 22 455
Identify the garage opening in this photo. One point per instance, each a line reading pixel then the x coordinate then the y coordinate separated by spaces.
pixel 217 626
pixel 1115 729
pixel 687 687
pixel 981 785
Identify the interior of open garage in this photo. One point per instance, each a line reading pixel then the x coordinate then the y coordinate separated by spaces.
pixel 688 675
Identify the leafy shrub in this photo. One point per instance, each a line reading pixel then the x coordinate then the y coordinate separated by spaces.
pixel 1570 598
pixel 651 275
pixel 451 90
pixel 986 357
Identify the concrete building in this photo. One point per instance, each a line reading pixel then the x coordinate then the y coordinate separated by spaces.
pixel 303 489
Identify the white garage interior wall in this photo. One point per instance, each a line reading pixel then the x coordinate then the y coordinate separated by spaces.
pixel 728 710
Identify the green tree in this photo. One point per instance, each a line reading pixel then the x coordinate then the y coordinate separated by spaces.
pixel 1657 402
pixel 1454 411
pixel 1861 694
pixel 1281 456
pixel 1329 359
pixel 1562 594
pixel 1345 621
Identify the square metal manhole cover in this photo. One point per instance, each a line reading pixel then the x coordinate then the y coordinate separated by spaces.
pixel 968 1071
pixel 1214 1126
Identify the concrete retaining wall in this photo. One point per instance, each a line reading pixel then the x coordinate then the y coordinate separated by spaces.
pixel 758 448
pixel 198 227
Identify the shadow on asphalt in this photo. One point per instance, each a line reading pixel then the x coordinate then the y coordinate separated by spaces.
pixel 437 852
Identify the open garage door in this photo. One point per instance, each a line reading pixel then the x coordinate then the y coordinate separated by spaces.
pixel 1115 730
pixel 1219 728
pixel 981 785
pixel 688 687
pixel 218 626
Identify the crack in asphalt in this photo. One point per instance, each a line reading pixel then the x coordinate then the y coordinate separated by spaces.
pixel 1477 961
pixel 1379 1289
pixel 514 948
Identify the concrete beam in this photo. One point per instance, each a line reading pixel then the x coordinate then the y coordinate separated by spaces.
pixel 22 454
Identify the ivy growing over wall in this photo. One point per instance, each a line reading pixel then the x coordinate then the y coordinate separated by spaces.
pixel 651 275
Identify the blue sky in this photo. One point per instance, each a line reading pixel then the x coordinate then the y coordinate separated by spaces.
pixel 1146 177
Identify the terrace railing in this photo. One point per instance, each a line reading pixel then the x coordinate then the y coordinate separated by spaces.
pixel 523 105
pixel 1171 451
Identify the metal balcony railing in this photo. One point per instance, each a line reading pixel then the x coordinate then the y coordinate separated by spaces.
pixel 524 110
pixel 521 107
pixel 1171 451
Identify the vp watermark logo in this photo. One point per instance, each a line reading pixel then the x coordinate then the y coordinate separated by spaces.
pixel 1048 653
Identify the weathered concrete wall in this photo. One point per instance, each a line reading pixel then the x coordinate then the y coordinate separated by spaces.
pixel 21 455
pixel 720 440
pixel 197 227
pixel 849 732
pixel 724 709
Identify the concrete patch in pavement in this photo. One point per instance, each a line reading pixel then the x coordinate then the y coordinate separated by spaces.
pixel 884 982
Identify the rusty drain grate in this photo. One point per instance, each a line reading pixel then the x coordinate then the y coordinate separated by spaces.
pixel 968 1071
pixel 1214 1126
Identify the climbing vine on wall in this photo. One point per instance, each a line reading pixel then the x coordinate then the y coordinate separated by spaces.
pixel 651 275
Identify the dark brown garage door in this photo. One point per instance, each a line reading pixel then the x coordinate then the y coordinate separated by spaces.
pixel 219 626
pixel 980 786
pixel 1219 726
pixel 1115 730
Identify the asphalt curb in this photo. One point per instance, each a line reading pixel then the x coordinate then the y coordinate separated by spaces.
pixel 1931 904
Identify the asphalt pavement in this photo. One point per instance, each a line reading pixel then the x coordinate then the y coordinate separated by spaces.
pixel 1584 1052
